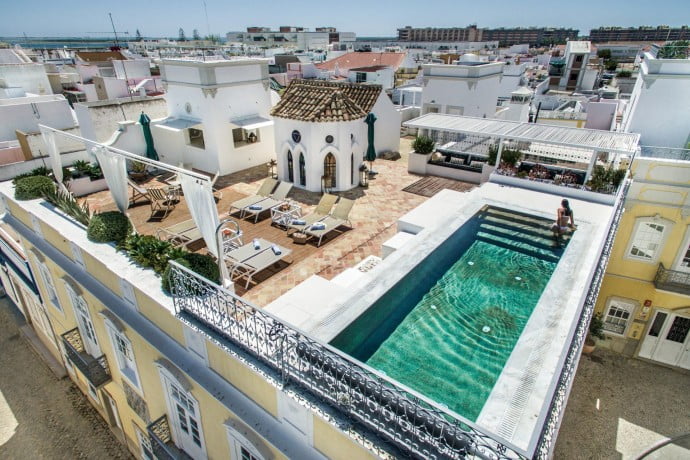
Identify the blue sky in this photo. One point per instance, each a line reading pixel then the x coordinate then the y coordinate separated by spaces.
pixel 365 17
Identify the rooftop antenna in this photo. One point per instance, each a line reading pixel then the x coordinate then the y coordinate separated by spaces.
pixel 208 27
pixel 114 31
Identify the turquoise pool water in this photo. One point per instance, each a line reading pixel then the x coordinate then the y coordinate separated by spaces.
pixel 448 328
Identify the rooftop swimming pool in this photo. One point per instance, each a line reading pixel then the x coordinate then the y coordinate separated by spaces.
pixel 448 327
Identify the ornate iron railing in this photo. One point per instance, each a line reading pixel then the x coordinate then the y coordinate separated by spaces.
pixel 162 443
pixel 96 370
pixel 547 439
pixel 413 424
pixel 672 280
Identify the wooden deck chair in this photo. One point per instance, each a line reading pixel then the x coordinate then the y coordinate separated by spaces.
pixel 161 200
pixel 138 192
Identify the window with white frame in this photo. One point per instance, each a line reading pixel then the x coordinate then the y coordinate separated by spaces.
pixel 618 314
pixel 48 284
pixel 124 354
pixel 683 259
pixel 647 240
pixel 84 323
pixel 144 444
pixel 240 447
pixel 93 392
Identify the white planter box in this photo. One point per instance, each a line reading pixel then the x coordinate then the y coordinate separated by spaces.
pixel 487 169
pixel 85 186
pixel 416 163
pixel 558 190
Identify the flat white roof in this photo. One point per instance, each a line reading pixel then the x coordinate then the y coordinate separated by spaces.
pixel 592 139
pixel 177 124
pixel 252 122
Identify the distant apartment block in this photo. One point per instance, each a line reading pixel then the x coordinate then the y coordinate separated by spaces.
pixel 435 34
pixel 535 36
pixel 639 34
pixel 298 37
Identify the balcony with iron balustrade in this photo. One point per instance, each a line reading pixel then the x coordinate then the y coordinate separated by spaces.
pixel 672 280
pixel 96 370
pixel 163 446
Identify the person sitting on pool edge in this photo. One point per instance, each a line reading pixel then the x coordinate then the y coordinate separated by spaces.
pixel 565 220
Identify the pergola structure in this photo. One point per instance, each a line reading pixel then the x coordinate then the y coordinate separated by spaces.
pixel 196 187
pixel 580 138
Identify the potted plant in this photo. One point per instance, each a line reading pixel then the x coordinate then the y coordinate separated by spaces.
pixel 138 171
pixel 596 330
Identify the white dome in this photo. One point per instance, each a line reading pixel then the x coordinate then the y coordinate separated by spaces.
pixel 469 57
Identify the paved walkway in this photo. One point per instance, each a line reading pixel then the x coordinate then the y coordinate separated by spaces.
pixel 42 417
pixel 620 406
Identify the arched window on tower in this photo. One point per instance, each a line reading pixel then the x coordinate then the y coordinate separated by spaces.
pixel 302 171
pixel 291 172
pixel 329 170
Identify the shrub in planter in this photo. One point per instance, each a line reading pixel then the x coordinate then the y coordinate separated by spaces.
pixel 150 252
pixel 508 156
pixel 40 171
pixel 108 226
pixel 202 264
pixel 95 172
pixel 423 145
pixel 29 188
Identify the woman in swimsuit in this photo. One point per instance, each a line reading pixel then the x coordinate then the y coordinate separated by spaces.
pixel 565 220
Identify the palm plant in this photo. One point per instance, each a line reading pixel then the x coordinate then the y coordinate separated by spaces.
pixel 65 201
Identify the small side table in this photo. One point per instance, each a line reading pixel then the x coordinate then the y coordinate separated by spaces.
pixel 283 217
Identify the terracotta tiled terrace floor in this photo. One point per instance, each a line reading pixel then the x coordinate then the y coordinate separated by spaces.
pixel 373 217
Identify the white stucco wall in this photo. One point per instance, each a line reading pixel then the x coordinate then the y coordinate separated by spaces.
pixel 348 138
pixel 31 77
pixel 132 69
pixel 99 120
pixel 659 103
pixel 387 126
pixel 25 113
pixel 383 77
pixel 218 93
pixel 475 89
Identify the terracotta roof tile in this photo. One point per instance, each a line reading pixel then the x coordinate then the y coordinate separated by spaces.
pixel 354 60
pixel 324 101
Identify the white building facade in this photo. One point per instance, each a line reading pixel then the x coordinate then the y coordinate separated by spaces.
pixel 25 113
pixel 470 88
pixel 218 115
pixel 659 103
pixel 577 55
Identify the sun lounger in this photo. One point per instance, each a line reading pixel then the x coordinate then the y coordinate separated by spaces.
pixel 276 198
pixel 339 216
pixel 263 193
pixel 320 212
pixel 180 235
pixel 253 257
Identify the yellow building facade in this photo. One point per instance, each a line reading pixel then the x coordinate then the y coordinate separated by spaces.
pixel 166 389
pixel 645 296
